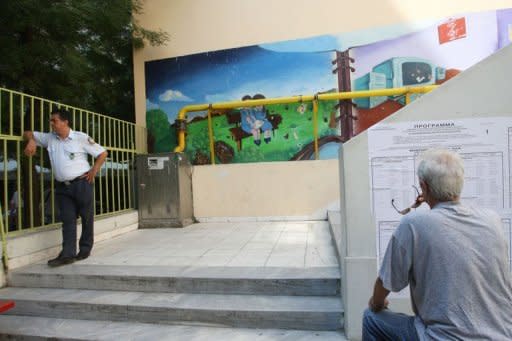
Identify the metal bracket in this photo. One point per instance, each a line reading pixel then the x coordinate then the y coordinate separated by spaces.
pixel 181 125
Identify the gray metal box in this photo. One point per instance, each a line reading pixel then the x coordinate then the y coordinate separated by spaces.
pixel 165 190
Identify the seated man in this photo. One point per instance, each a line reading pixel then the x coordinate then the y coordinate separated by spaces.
pixel 454 259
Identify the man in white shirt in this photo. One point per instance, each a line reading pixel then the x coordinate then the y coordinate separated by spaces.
pixel 74 176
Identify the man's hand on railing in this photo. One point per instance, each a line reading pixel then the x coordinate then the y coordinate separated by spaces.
pixel 30 148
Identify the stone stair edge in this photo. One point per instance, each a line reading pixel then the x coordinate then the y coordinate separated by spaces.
pixel 182 272
pixel 47 327
pixel 173 300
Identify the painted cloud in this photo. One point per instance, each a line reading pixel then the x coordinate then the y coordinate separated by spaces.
pixel 174 95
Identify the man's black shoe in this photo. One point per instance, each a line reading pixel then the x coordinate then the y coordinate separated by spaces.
pixel 82 255
pixel 60 261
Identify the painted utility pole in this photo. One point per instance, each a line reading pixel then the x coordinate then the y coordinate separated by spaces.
pixel 343 69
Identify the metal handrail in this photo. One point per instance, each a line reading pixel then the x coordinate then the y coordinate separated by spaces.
pixel 113 186
pixel 3 234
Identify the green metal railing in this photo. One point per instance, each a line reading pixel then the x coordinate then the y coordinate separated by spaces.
pixel 27 194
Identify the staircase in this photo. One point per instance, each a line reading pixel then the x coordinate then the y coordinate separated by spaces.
pixel 94 300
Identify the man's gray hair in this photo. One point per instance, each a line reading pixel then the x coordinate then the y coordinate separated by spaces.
pixel 443 171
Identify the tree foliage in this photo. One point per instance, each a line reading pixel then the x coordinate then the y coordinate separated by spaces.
pixel 158 127
pixel 78 52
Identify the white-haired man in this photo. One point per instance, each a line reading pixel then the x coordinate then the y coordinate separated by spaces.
pixel 454 259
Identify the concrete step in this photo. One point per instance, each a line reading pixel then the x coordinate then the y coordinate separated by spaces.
pixel 318 281
pixel 30 328
pixel 246 311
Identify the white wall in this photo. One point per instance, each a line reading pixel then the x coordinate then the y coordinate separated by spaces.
pixel 483 90
pixel 290 190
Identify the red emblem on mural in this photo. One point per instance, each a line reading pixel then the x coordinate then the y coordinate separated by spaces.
pixel 452 30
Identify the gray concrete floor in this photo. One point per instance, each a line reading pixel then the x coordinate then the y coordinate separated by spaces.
pixel 238 244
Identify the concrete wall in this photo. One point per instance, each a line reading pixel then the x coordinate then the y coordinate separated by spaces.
pixel 43 245
pixel 300 190
pixel 483 90
pixel 207 25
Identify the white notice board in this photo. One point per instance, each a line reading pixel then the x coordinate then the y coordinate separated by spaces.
pixel 485 144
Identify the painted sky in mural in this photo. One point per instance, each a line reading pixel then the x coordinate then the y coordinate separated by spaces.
pixel 228 75
pixel 295 67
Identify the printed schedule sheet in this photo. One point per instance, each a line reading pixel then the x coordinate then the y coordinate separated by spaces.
pixel 485 145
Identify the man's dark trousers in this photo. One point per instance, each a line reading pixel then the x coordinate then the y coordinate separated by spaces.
pixel 76 199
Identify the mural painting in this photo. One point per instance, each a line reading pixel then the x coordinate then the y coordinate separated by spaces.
pixel 440 52
pixel 401 55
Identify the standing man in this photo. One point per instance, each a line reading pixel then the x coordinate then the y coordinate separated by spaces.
pixel 454 259
pixel 74 176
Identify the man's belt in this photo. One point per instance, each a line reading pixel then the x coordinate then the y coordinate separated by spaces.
pixel 69 182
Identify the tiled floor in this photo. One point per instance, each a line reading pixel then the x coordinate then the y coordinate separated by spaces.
pixel 258 244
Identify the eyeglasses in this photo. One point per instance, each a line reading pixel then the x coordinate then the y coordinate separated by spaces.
pixel 416 204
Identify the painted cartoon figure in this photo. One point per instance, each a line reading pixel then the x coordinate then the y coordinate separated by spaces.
pixel 254 120
pixel 261 115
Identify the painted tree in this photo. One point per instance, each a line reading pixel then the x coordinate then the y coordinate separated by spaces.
pixel 160 132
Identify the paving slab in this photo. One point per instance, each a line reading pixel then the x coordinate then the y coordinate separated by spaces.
pixel 233 244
